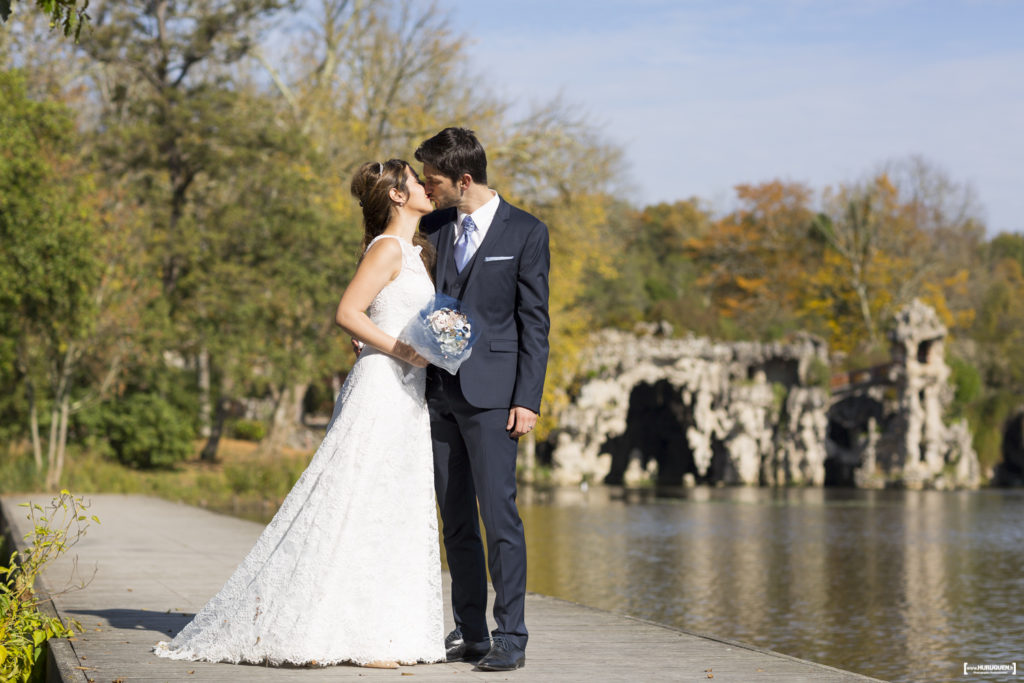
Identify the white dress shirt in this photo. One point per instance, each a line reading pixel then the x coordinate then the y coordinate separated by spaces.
pixel 483 217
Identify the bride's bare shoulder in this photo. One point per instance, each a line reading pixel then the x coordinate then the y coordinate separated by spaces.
pixel 384 253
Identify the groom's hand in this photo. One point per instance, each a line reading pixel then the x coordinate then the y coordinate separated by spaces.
pixel 520 421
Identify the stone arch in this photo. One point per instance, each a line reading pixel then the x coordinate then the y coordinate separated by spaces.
pixel 847 434
pixel 656 424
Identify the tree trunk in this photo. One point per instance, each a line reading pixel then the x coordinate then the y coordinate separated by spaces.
pixel 865 312
pixel 287 415
pixel 51 447
pixel 33 423
pixel 54 474
pixel 209 452
pixel 59 417
pixel 33 407
pixel 205 407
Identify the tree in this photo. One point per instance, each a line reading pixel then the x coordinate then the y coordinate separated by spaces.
pixel 270 280
pixel 70 15
pixel 947 213
pixel 1005 246
pixel 374 79
pixel 889 240
pixel 659 244
pixel 49 269
pixel 179 110
pixel 371 81
pixel 753 259
pixel 863 265
pixel 171 125
pixel 993 342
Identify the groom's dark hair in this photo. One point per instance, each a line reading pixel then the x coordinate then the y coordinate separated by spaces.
pixel 455 151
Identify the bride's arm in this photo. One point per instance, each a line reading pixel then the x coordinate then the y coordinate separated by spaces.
pixel 379 266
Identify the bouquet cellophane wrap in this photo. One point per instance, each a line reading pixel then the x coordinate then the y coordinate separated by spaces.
pixel 442 333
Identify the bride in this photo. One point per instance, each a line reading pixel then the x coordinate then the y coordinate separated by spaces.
pixel 349 569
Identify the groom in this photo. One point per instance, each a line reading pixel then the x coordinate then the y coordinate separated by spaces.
pixel 494 258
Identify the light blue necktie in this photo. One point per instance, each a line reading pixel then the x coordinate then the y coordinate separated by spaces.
pixel 464 247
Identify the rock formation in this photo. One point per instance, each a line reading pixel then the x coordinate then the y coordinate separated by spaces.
pixel 654 409
pixel 691 410
pixel 890 430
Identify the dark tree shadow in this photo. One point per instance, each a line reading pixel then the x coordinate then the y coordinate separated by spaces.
pixel 164 623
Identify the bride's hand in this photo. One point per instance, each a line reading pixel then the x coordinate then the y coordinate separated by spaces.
pixel 403 351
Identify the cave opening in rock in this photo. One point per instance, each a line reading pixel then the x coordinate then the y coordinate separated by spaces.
pixel 656 424
pixel 784 371
pixel 846 437
pixel 924 351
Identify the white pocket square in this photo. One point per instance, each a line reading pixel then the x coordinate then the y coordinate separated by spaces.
pixel 498 258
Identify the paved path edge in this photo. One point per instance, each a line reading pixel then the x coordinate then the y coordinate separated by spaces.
pixel 717 639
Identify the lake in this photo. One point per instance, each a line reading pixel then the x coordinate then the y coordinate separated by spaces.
pixel 901 585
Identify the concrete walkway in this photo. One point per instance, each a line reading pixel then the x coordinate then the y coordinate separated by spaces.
pixel 156 563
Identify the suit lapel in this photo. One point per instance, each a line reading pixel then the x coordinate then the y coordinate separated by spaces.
pixel 491 240
pixel 446 235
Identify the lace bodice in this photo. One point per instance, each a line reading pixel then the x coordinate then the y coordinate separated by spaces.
pixel 404 296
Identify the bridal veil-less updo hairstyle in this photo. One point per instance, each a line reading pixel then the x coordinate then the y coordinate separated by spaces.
pixel 372 186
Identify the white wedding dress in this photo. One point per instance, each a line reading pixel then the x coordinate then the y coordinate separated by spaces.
pixel 349 568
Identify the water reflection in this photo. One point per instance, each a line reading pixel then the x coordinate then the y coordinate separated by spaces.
pixel 904 586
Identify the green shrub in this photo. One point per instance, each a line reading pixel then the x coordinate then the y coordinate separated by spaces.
pixel 18 472
pixel 987 418
pixel 249 430
pixel 23 628
pixel 779 395
pixel 241 478
pixel 173 386
pixel 272 478
pixel 819 373
pixel 146 431
pixel 966 380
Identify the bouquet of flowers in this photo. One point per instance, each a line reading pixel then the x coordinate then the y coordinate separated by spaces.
pixel 441 332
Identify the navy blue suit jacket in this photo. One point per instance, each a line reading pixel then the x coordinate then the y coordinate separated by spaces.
pixel 507 299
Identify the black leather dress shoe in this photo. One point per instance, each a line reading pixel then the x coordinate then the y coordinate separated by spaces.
pixel 504 656
pixel 458 650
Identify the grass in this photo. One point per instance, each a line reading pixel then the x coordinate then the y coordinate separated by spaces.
pixel 244 481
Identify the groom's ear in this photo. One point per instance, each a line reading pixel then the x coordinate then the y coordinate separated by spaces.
pixel 465 180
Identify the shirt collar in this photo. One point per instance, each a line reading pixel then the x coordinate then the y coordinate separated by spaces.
pixel 483 216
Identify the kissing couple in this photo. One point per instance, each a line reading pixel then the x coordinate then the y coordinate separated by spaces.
pixel 348 570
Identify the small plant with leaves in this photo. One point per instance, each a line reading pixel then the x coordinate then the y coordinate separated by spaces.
pixel 24 628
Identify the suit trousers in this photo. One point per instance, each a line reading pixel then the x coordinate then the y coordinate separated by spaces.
pixel 475 460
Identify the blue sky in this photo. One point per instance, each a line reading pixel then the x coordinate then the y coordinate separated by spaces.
pixel 705 94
